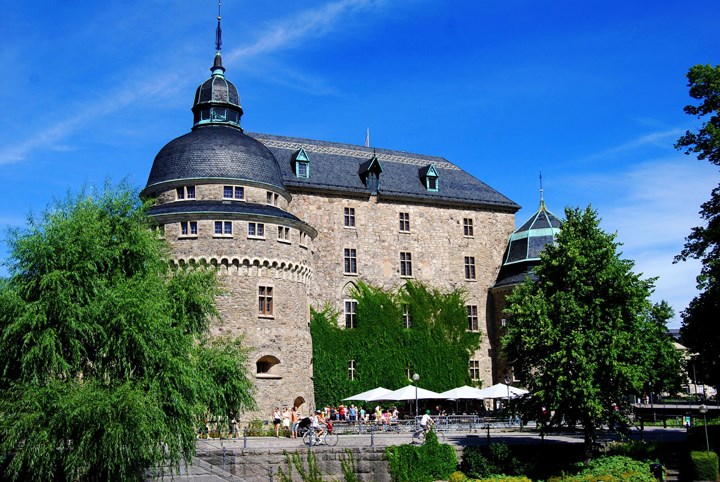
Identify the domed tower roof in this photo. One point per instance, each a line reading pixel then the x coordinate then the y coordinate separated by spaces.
pixel 526 244
pixel 217 149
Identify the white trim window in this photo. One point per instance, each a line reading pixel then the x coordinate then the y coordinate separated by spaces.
pixel 256 230
pixel 350 308
pixel 188 229
pixel 223 229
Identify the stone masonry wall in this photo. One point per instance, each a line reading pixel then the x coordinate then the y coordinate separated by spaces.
pixel 436 241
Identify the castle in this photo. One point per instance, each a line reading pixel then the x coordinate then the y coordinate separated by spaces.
pixel 291 223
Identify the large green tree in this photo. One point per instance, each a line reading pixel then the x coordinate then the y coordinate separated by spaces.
pixel 583 336
pixel 700 331
pixel 106 368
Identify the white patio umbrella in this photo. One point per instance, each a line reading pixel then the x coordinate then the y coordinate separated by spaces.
pixel 500 390
pixel 369 395
pixel 407 393
pixel 462 393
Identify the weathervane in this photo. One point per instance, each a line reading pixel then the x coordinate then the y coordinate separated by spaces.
pixel 542 199
pixel 218 32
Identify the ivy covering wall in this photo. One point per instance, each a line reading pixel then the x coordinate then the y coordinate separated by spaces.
pixel 437 346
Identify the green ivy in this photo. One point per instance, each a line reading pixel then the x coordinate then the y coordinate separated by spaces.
pixel 437 346
pixel 425 463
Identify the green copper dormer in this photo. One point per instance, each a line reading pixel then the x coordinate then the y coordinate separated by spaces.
pixel 301 163
pixel 370 171
pixel 429 177
pixel 217 100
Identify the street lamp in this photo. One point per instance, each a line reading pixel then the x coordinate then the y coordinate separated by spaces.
pixel 703 409
pixel 416 377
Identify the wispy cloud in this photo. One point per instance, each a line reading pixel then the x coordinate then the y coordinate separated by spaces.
pixel 661 139
pixel 284 33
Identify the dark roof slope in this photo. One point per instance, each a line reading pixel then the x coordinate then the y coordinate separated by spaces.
pixel 214 152
pixel 220 207
pixel 336 167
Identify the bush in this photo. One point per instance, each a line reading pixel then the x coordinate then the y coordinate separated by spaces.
pixel 498 460
pixel 431 461
pixel 457 477
pixel 609 469
pixel 504 478
pixel 705 465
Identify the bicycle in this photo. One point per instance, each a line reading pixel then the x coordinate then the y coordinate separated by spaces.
pixel 311 438
pixel 418 436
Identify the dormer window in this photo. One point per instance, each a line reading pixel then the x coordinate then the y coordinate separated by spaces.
pixel 302 164
pixel 370 174
pixel 429 177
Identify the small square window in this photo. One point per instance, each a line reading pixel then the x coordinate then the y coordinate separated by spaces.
pixel 283 234
pixel 256 230
pixel 190 190
pixel 185 192
pixel 227 192
pixel 180 192
pixel 223 228
pixel 272 198
pixel 188 228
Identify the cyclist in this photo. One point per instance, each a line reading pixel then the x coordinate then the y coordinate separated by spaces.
pixel 318 424
pixel 426 422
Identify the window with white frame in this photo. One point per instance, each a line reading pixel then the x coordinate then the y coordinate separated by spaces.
pixel 350 261
pixel 233 192
pixel 404 222
pixel 474 370
pixel 303 240
pixel 265 300
pixel 272 198
pixel 350 309
pixel 469 267
pixel 188 228
pixel 283 234
pixel 472 317
pixel 406 264
pixel 223 228
pixel 351 370
pixel 185 192
pixel 407 320
pixel 349 218
pixel 256 230
pixel 468 230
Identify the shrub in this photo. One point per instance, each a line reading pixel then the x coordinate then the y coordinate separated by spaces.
pixel 499 460
pixel 431 461
pixel 457 477
pixel 610 469
pixel 705 465
pixel 504 478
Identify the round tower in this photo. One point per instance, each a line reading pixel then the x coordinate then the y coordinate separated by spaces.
pixel 221 202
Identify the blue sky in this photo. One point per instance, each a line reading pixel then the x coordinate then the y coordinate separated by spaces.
pixel 591 93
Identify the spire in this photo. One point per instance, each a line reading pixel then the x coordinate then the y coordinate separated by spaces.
pixel 217 68
pixel 542 199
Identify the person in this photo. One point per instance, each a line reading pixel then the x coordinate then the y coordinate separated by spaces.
pixel 286 420
pixel 426 422
pixel 352 414
pixel 233 426
pixel 295 421
pixel 276 418
pixel 318 423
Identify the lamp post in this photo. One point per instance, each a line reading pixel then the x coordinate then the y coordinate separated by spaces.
pixel 703 409
pixel 416 377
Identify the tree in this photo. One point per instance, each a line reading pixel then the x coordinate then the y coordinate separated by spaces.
pixel 106 367
pixel 582 337
pixel 700 330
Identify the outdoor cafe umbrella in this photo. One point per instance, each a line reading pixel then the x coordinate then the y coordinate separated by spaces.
pixel 462 393
pixel 500 390
pixel 369 395
pixel 407 393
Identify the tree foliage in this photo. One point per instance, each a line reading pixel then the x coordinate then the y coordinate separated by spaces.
pixel 106 368
pixel 437 345
pixel 583 336
pixel 701 331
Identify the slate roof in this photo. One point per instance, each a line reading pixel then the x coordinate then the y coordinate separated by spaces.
pixel 336 167
pixel 213 152
pixel 212 208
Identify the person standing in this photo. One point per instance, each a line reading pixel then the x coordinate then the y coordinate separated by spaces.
pixel 276 418
pixel 295 421
pixel 286 420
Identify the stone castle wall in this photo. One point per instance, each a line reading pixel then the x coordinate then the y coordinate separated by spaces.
pixel 436 241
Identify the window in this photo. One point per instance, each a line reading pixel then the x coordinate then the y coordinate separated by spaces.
pixel 407 320
pixel 468 227
pixel 303 240
pixel 472 317
pixel 350 308
pixel 233 192
pixel 404 222
pixel 283 234
pixel 349 219
pixel 503 322
pixel 223 228
pixel 351 370
pixel 302 169
pixel 350 259
pixel 406 265
pixel 265 301
pixel 256 230
pixel 185 192
pixel 469 267
pixel 432 184
pixel 188 228
pixel 474 370
pixel 272 198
